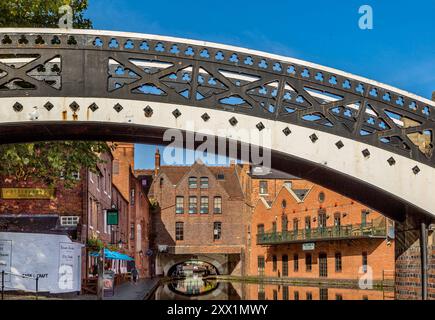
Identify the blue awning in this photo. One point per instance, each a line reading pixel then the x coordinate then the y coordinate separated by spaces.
pixel 113 255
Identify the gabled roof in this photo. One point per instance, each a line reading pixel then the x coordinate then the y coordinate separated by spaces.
pixel 143 172
pixel 295 194
pixel 301 193
pixel 33 223
pixel 175 174
pixel 264 202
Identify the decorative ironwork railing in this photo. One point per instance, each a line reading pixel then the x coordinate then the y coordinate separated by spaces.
pixel 355 231
pixel 89 63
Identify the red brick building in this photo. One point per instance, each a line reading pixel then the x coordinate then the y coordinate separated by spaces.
pixel 80 213
pixel 200 213
pixel 139 221
pixel 300 230
pixel 285 292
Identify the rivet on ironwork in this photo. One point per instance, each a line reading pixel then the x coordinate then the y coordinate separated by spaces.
pixel 233 121
pixel 74 106
pixel 48 106
pixel 118 108
pixel 391 161
pixel 205 117
pixel 93 107
pixel 366 153
pixel 314 138
pixel 18 107
pixel 339 144
pixel 416 170
pixel 287 131
pixel 148 111
pixel 176 113
pixel 260 126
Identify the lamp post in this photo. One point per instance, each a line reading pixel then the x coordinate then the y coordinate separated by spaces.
pixel 100 284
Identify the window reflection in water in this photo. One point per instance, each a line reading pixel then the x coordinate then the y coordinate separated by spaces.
pixel 193 286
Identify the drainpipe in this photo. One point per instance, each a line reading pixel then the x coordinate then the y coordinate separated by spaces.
pixel 86 220
pixel 423 255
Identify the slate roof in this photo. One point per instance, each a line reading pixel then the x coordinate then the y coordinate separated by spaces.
pixel 33 223
pixel 301 193
pixel 230 182
pixel 258 172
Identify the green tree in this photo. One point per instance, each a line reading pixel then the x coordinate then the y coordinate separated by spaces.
pixel 41 13
pixel 48 162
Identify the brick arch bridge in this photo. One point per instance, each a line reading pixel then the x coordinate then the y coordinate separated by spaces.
pixel 218 261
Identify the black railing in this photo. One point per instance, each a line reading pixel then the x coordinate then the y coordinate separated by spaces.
pixel 367 230
pixel 3 282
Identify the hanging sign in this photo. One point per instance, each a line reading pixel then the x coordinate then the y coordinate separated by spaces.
pixel 112 217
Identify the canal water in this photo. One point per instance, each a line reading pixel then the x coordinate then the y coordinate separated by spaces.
pixel 197 288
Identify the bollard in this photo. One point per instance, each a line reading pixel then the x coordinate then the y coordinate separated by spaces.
pixel 3 284
pixel 37 287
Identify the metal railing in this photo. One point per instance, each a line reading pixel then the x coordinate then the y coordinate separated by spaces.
pixel 368 230
pixel 3 281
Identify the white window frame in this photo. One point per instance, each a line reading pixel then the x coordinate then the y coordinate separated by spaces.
pixel 105 222
pixel 69 221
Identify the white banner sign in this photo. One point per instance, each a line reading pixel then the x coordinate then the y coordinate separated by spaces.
pixel 54 259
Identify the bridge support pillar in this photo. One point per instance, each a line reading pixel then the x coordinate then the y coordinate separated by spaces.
pixel 423 258
pixel 415 260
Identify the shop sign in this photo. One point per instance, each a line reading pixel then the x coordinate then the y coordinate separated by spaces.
pixel 308 246
pixel 112 217
pixel 109 283
pixel 27 193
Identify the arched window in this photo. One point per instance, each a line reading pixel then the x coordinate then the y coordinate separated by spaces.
pixel 204 183
pixel 321 197
pixel 193 182
pixel 217 206
pixel 285 265
pixel 284 223
pixel 337 219
pixel 179 231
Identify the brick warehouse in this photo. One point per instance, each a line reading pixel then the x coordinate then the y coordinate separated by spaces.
pixel 290 212
pixel 199 213
pixel 139 223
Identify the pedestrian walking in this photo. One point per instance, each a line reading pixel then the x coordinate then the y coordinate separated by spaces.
pixel 134 274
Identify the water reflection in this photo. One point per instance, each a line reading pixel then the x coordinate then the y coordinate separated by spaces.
pixel 193 286
pixel 197 288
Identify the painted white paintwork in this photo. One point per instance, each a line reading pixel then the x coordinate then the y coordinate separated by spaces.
pixel 398 180
pixel 134 36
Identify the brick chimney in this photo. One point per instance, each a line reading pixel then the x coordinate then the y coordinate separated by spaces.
pixel 433 96
pixel 157 162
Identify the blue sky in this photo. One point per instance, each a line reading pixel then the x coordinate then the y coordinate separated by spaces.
pixel 400 50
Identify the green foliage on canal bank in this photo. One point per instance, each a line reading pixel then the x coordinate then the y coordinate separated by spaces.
pixel 47 162
pixel 50 162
